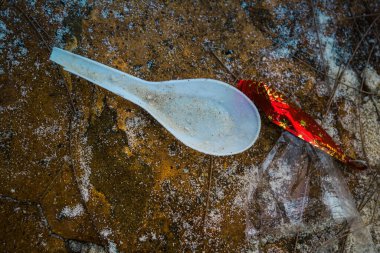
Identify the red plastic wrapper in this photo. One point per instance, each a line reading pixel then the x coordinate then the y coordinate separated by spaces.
pixel 293 119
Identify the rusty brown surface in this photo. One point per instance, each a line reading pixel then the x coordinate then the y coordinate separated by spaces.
pixel 136 188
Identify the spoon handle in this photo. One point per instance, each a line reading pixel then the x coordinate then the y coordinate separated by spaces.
pixel 109 78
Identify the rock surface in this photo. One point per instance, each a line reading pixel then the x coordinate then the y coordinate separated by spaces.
pixel 83 170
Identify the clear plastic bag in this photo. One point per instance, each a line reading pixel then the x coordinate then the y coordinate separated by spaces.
pixel 300 197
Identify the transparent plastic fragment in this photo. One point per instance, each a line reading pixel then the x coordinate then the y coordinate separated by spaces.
pixel 300 196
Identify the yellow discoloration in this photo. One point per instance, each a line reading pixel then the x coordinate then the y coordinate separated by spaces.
pixel 122 115
pixel 136 188
pixel 127 151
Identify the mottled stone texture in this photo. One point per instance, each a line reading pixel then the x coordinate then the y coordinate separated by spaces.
pixel 83 170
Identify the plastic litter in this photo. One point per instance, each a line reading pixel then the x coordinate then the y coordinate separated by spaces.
pixel 300 193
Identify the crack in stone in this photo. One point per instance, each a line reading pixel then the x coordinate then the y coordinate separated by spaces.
pixel 40 210
pixel 12 199
pixel 73 115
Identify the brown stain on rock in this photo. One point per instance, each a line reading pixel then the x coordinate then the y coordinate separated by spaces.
pixel 125 181
pixel 23 230
pixel 151 193
pixel 64 193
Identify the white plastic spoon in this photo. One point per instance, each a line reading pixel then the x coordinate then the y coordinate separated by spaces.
pixel 207 115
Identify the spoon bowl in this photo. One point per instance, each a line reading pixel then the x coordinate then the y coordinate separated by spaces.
pixel 205 114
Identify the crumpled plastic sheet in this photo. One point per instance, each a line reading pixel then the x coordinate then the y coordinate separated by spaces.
pixel 299 194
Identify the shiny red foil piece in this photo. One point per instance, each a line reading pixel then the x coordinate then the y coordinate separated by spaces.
pixel 293 119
